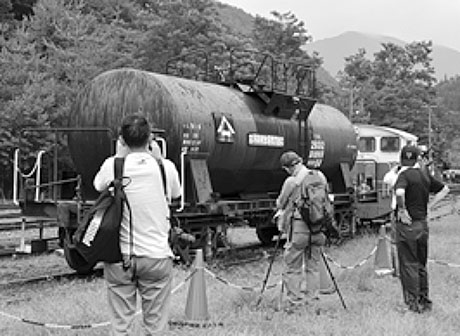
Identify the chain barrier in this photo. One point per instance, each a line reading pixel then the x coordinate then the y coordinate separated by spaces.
pixel 444 263
pixel 216 277
pixel 359 264
pixel 228 283
pixel 84 326
pixel 452 202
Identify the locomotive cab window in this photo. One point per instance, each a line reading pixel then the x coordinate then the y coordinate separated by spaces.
pixel 389 144
pixel 367 144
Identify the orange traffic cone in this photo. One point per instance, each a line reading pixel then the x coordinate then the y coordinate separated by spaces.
pixel 196 309
pixel 326 286
pixel 383 264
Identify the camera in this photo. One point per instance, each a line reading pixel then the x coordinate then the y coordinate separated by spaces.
pixel 180 234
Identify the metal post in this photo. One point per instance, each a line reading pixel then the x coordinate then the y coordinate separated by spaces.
pixel 55 166
pixel 429 132
pixel 350 113
pixel 430 142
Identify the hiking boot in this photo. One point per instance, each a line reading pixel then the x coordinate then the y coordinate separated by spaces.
pixel 426 305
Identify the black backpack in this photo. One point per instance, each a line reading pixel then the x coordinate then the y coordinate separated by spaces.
pixel 314 205
pixel 97 237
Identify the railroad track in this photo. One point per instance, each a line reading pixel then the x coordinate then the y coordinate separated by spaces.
pixel 96 273
pixel 237 255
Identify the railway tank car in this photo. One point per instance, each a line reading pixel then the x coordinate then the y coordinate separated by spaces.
pixel 225 134
pixel 242 143
pixel 225 139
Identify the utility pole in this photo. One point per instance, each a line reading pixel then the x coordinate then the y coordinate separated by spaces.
pixel 429 128
pixel 350 112
pixel 430 141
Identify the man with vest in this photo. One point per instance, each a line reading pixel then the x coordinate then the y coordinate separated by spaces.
pixel 302 246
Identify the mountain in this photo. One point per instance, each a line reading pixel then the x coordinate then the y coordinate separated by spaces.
pixel 446 61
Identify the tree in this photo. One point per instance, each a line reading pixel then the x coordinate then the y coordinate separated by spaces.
pixel 283 36
pixel 396 86
pixel 178 27
pixel 46 61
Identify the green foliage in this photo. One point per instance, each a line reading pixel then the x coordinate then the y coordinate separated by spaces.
pixel 283 36
pixel 5 10
pixel 178 27
pixel 394 88
pixel 397 89
pixel 448 93
pixel 46 61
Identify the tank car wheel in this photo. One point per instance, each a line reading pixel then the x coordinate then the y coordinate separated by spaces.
pixel 266 234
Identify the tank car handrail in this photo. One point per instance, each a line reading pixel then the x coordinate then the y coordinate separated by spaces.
pixel 308 70
pixel 163 145
pixel 303 72
pixel 16 171
pixel 182 179
pixel 48 184
pixel 54 130
pixel 265 55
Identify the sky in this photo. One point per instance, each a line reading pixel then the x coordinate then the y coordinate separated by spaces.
pixel 407 20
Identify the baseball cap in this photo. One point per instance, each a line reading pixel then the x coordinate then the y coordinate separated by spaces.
pixel 289 159
pixel 409 155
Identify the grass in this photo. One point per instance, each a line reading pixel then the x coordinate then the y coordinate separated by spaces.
pixel 374 303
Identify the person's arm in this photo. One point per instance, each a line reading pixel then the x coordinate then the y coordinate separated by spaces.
pixel 282 214
pixel 403 214
pixel 173 181
pixel 400 192
pixel 438 196
pixel 105 175
pixel 286 191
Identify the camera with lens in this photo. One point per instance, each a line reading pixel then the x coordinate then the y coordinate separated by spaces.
pixel 178 233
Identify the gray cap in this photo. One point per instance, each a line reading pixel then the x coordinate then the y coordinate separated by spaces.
pixel 289 159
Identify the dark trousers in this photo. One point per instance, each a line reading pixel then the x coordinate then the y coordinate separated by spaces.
pixel 412 244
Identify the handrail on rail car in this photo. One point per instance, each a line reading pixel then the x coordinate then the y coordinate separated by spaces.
pixel 37 166
pixel 162 142
pixel 182 178
pixel 302 72
pixel 35 170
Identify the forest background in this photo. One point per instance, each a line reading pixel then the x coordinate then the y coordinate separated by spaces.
pixel 50 49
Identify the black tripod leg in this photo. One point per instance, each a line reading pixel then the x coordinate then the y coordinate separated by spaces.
pixel 333 280
pixel 269 269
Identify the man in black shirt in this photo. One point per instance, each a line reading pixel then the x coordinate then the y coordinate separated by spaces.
pixel 413 186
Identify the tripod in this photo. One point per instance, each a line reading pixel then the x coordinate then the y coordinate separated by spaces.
pixel 333 280
pixel 269 269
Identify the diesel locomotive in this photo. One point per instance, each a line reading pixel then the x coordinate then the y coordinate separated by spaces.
pixel 225 137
